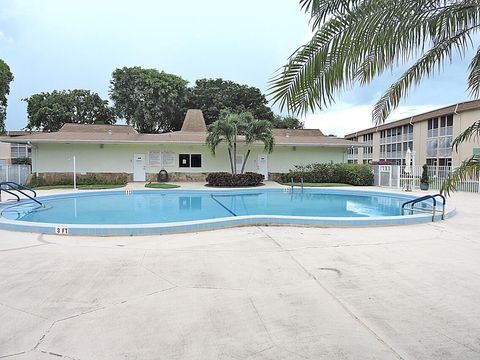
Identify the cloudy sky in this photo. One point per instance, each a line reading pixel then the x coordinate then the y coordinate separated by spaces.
pixel 58 45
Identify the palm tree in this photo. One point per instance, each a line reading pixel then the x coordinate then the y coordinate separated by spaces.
pixel 228 129
pixel 356 40
pixel 469 167
pixel 256 130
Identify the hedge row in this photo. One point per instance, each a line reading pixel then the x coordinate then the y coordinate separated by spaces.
pixel 89 179
pixel 225 179
pixel 353 174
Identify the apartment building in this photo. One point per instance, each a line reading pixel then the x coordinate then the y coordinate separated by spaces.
pixel 429 136
pixel 11 151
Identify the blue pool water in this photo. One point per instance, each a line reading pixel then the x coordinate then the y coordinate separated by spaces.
pixel 151 207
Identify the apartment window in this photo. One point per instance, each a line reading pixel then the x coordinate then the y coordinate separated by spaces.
pixel 190 160
pixel 20 150
pixel 395 142
pixel 352 152
pixel 439 141
pixel 368 138
pixel 439 162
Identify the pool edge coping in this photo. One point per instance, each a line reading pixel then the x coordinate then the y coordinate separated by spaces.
pixel 219 223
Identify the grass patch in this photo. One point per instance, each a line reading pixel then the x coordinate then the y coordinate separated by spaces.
pixel 316 184
pixel 80 187
pixel 161 186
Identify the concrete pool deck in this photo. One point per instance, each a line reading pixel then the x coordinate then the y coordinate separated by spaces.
pixel 399 292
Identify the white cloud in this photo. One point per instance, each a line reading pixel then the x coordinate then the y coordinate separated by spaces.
pixel 342 119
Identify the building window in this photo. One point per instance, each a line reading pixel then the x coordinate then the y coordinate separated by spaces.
pixel 196 160
pixel 394 143
pixel 352 152
pixel 190 160
pixel 184 160
pixel 20 151
pixel 439 141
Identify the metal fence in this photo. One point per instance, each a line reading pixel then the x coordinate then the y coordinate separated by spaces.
pixel 394 176
pixel 16 173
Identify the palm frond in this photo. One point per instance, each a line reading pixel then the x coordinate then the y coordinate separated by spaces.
pixel 358 40
pixel 473 131
pixel 320 10
pixel 474 75
pixel 428 64
pixel 469 168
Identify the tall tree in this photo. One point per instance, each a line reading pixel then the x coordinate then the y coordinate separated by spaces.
pixel 49 111
pixel 354 41
pixel 214 95
pixel 287 122
pixel 230 127
pixel 150 100
pixel 6 77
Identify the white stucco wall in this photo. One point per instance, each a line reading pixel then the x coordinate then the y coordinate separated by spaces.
pixel 119 158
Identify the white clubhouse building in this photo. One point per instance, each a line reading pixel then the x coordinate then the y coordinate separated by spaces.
pixel 109 150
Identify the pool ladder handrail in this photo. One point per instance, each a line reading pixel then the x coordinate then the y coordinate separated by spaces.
pixel 292 180
pixel 423 198
pixel 13 186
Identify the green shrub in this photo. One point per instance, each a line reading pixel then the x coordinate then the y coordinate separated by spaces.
pixel 425 178
pixel 88 179
pixel 225 179
pixel 22 161
pixel 353 174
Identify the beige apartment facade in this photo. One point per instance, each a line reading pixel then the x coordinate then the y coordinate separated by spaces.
pixel 429 136
pixel 10 151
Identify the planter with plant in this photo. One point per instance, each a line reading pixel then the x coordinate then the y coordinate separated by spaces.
pixel 424 180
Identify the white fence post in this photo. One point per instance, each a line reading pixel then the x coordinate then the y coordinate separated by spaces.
pixel 398 170
pixel 394 176
pixel 18 173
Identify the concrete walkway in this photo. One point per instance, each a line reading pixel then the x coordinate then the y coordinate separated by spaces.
pixel 405 292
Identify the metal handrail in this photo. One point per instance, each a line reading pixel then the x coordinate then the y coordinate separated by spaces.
pixel 11 193
pixel 420 199
pixel 292 180
pixel 18 185
pixel 444 202
pixel 423 198
pixel 9 183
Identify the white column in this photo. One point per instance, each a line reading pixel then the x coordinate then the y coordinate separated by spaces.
pixel 74 173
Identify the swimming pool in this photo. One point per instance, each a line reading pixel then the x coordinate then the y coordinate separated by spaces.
pixel 161 211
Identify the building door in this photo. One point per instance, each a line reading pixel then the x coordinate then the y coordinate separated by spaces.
pixel 262 163
pixel 139 167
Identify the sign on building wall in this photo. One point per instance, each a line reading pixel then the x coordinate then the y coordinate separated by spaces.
pixel 154 158
pixel 168 158
pixel 161 158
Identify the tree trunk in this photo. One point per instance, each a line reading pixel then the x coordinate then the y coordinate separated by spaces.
pixel 235 152
pixel 230 158
pixel 245 161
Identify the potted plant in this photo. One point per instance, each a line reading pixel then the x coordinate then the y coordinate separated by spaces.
pixel 424 180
